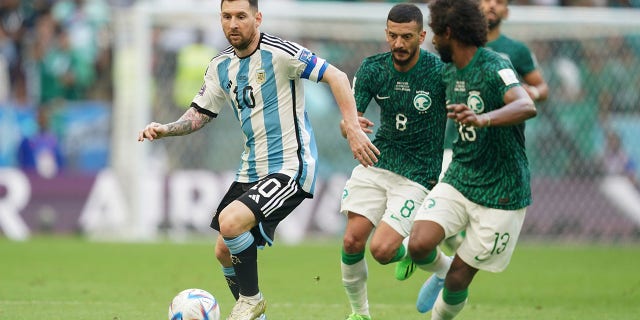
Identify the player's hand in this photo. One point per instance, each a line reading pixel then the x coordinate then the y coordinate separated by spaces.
pixel 365 124
pixel 462 114
pixel 152 131
pixel 363 149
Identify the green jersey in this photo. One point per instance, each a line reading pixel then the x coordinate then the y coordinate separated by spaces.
pixel 522 60
pixel 489 165
pixel 413 114
pixel 517 52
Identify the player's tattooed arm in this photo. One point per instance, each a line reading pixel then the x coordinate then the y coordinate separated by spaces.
pixel 189 122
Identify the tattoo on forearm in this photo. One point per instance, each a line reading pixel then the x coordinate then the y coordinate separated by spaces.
pixel 191 121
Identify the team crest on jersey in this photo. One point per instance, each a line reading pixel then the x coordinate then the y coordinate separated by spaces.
pixel 422 101
pixel 261 76
pixel 475 102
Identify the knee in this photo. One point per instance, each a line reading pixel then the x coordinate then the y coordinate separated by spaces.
pixel 420 247
pixel 383 253
pixel 352 243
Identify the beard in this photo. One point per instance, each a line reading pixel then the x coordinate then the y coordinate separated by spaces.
pixel 494 23
pixel 239 42
pixel 403 62
pixel 445 53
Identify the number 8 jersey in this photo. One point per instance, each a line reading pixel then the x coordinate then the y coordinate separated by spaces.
pixel 412 114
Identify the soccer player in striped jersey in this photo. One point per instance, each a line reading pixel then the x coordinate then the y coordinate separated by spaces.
pixel 259 77
pixel 486 189
pixel 406 82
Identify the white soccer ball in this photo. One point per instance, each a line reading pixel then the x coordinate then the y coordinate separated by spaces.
pixel 194 304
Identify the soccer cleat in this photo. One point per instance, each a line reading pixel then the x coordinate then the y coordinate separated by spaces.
pixel 429 293
pixel 248 309
pixel 405 268
pixel 355 316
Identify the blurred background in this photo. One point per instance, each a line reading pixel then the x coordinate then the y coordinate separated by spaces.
pixel 80 78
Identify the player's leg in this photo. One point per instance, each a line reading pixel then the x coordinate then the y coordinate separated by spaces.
pixel 391 239
pixel 353 265
pixel 442 213
pixel 224 257
pixel 236 221
pixel 248 224
pixel 386 244
pixel 453 297
pixel 221 250
pixel 491 238
pixel 404 197
pixel 363 202
pixel 424 251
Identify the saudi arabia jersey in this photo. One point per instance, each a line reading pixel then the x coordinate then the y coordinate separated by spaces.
pixel 522 60
pixel 413 114
pixel 489 165
pixel 266 95
pixel 517 52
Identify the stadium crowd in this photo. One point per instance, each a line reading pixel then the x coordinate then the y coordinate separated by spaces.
pixel 56 52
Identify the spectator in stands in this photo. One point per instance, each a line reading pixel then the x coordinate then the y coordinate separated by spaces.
pixel 87 25
pixel 616 161
pixel 11 31
pixel 64 74
pixel 190 61
pixel 41 152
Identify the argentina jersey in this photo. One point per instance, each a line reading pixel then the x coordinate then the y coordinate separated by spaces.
pixel 267 97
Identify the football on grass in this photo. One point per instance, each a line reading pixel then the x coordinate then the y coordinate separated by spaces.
pixel 194 304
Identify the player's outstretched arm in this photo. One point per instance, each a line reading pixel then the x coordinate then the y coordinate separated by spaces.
pixel 365 124
pixel 189 122
pixel 361 146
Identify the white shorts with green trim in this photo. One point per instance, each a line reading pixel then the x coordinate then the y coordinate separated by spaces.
pixel 381 195
pixel 491 234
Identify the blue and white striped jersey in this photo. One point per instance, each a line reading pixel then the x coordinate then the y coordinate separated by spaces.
pixel 265 92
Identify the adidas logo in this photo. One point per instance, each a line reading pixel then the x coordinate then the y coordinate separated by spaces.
pixel 255 197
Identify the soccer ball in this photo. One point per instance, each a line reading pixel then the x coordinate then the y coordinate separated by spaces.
pixel 194 304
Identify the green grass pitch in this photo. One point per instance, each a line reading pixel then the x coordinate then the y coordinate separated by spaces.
pixel 70 278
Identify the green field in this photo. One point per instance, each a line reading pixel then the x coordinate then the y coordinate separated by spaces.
pixel 69 278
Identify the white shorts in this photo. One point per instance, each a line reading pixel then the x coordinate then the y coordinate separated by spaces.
pixel 381 195
pixel 491 234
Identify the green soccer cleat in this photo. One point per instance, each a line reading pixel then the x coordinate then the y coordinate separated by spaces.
pixel 405 268
pixel 354 316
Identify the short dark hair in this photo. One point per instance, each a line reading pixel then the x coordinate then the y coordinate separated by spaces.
pixel 463 17
pixel 406 12
pixel 252 3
